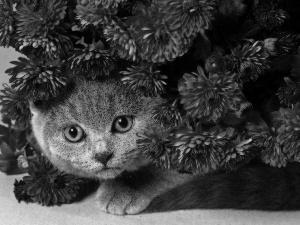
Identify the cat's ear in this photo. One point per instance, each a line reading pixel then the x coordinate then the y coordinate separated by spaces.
pixel 151 102
pixel 35 107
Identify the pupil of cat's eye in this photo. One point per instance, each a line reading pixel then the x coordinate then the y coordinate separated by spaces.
pixel 123 122
pixel 73 132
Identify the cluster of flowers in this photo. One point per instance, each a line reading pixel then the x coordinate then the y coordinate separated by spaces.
pixel 207 122
pixel 161 31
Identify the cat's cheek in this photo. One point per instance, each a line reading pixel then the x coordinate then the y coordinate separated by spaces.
pixel 141 162
pixel 38 125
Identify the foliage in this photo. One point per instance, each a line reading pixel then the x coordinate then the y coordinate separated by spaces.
pixel 227 74
pixel 48 186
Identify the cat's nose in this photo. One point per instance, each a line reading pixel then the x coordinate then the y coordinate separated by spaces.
pixel 103 157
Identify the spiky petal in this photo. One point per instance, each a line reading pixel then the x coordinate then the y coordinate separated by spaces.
pixel 15 105
pixel 7 21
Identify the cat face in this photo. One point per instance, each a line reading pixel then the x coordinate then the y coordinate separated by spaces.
pixel 92 132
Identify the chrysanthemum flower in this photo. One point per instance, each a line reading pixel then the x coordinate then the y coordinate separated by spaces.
pixel 265 139
pixel 249 61
pixel 6 22
pixel 288 126
pixel 144 80
pixel 121 41
pixel 216 63
pixel 39 17
pixel 232 8
pixel 89 12
pixel 48 186
pixel 238 153
pixel 36 81
pixel 15 105
pixel 198 151
pixel 156 146
pixel 244 109
pixel 190 17
pixel 286 42
pixel 92 61
pixel 106 3
pixel 209 98
pixel 136 5
pixel 156 40
pixel 53 46
pixel 289 94
pixel 20 192
pixel 269 45
pixel 269 16
pixel 167 114
pixel 281 43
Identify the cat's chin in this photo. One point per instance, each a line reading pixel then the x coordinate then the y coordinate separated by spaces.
pixel 108 173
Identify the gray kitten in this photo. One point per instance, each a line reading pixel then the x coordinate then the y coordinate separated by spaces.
pixel 91 131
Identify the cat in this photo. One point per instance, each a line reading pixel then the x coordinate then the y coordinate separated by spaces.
pixel 91 130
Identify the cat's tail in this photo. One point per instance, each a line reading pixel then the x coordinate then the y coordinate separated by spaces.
pixel 258 187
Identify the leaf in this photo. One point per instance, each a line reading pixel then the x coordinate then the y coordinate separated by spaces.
pixel 249 29
pixel 288 80
pixel 4 130
pixel 201 73
pixel 203 47
pixel 296 64
pixel 4 166
pixel 6 151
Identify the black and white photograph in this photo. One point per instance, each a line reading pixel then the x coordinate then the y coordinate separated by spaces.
pixel 149 112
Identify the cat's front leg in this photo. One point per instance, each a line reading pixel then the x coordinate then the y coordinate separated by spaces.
pixel 117 198
pixel 134 195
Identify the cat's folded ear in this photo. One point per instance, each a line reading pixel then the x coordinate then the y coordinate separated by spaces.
pixel 150 102
pixel 36 107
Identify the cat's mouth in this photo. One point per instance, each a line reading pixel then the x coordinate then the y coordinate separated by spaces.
pixel 110 168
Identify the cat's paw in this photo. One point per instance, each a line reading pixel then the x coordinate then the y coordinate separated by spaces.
pixel 120 200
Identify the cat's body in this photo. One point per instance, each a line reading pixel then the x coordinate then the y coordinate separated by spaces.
pixel 91 131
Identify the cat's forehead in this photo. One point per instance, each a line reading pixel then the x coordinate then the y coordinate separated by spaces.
pixel 97 103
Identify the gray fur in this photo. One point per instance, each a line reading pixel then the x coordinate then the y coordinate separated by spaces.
pixel 93 105
pixel 131 184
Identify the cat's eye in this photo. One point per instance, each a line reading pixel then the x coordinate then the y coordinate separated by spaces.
pixel 74 134
pixel 122 124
